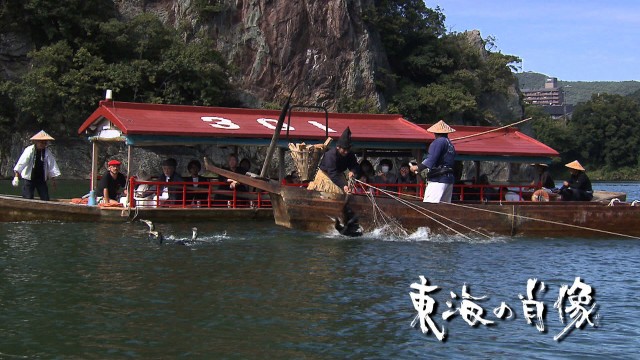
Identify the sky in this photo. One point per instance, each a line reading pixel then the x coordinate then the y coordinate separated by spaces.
pixel 586 40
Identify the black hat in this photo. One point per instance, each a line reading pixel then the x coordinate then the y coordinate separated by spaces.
pixel 345 139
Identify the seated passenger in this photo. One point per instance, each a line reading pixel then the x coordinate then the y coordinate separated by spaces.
pixel 171 194
pixel 366 168
pixel 405 176
pixel 542 178
pixel 245 165
pixel 112 183
pixel 144 193
pixel 578 187
pixel 385 176
pixel 197 191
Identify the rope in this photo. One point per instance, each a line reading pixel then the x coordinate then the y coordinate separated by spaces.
pixel 420 210
pixel 492 130
pixel 414 207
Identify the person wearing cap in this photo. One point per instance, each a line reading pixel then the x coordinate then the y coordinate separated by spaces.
pixel 36 165
pixel 440 162
pixel 330 177
pixel 542 178
pixel 578 187
pixel 112 183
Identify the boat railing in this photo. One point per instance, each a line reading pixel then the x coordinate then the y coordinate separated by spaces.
pixel 189 194
pixel 461 192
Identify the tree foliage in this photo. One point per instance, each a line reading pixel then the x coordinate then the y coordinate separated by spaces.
pixel 603 134
pixel 606 130
pixel 140 60
pixel 438 75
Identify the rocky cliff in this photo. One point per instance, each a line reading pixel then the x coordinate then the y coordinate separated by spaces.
pixel 323 49
pixel 275 44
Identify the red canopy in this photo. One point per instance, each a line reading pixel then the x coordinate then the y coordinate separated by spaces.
pixel 156 124
pixel 177 121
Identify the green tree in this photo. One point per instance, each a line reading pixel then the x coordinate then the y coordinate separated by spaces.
pixel 47 22
pixel 140 60
pixel 606 130
pixel 554 133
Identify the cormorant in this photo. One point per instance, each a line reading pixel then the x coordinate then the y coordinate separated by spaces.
pixel 153 234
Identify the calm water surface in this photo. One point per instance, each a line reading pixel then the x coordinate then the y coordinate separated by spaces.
pixel 255 291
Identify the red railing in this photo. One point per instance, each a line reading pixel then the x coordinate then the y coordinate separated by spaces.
pixel 461 192
pixel 188 194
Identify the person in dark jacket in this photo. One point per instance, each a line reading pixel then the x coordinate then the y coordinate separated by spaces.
pixel 385 175
pixel 330 177
pixel 440 162
pixel 193 197
pixel 172 194
pixel 578 187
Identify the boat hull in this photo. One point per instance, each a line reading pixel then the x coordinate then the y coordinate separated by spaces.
pixel 14 209
pixel 314 211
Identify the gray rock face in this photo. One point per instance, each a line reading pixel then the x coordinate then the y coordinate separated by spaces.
pixel 322 47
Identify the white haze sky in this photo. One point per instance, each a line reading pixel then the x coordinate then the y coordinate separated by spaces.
pixel 585 40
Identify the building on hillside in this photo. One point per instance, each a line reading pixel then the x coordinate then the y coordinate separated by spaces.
pixel 551 98
pixel 551 94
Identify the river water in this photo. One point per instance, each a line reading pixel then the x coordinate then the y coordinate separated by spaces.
pixel 255 291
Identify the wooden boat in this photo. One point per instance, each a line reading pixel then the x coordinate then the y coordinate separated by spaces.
pixel 14 208
pixel 299 208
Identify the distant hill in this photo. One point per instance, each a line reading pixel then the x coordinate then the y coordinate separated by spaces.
pixel 579 91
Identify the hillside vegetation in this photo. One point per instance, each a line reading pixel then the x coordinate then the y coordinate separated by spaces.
pixel 579 91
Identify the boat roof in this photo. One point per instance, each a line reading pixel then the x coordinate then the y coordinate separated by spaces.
pixel 155 124
pixel 492 143
pixel 142 124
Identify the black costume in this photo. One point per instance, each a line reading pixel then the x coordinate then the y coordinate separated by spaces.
pixel 579 188
pixel 334 165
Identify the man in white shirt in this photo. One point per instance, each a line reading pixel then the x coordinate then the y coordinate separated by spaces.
pixel 36 165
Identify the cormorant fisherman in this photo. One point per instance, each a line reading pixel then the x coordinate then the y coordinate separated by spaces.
pixel 330 178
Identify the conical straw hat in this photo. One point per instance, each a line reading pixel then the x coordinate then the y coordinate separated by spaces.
pixel 42 136
pixel 440 128
pixel 575 165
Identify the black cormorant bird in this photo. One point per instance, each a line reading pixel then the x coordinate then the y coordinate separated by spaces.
pixel 153 234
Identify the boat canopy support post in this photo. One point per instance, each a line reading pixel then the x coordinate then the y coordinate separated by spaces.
pixel 128 161
pixel 94 164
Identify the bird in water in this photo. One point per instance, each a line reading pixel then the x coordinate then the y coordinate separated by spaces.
pixel 153 233
pixel 351 226
pixel 194 237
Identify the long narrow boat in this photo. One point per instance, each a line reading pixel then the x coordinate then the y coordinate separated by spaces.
pixel 14 209
pixel 299 208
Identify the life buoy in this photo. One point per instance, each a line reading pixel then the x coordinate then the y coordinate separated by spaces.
pixel 540 196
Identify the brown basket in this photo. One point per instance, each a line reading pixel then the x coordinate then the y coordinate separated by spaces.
pixel 307 157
